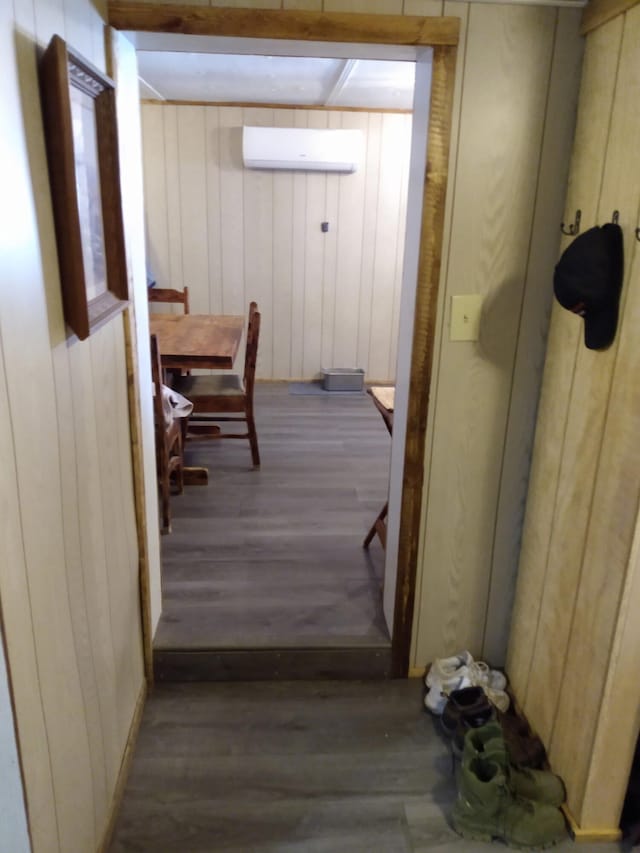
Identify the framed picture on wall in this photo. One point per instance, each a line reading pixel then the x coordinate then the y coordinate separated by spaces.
pixel 78 104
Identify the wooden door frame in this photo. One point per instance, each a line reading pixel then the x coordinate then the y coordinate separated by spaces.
pixel 442 35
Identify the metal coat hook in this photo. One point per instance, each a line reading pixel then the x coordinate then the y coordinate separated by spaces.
pixel 615 217
pixel 574 228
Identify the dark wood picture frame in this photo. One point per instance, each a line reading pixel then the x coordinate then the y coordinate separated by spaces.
pixel 79 112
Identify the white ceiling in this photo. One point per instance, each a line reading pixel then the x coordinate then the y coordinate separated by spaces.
pixel 302 80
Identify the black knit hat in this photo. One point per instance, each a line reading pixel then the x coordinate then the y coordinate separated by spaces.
pixel 588 281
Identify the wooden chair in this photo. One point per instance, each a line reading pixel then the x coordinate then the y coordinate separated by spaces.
pixel 167 294
pixel 226 397
pixel 169 442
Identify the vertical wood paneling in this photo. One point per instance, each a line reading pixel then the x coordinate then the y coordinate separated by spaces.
pixel 533 327
pixel 500 129
pixel 255 234
pixel 369 226
pixel 258 245
pixel 66 496
pixel 298 261
pixel 349 257
pixel 155 193
pixel 173 199
pixel 578 662
pixel 314 261
pixel 579 430
pixel 282 261
pixel 213 211
pixel 614 504
pixel 329 266
pixel 192 177
pixel 232 211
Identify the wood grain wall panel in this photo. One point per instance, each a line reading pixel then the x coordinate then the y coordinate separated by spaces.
pixel 173 205
pixel 282 261
pixel 155 193
pixel 500 129
pixel 349 261
pixel 258 245
pixel 263 239
pixel 596 94
pixel 232 206
pixel 80 617
pixel 53 582
pixel 298 260
pixel 394 140
pixel 614 506
pixel 329 266
pixel 314 261
pixel 533 325
pixel 192 182
pixel 18 625
pixel 369 230
pixel 584 404
pixel 213 212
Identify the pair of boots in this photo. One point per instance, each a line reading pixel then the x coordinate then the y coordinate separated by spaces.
pixel 497 800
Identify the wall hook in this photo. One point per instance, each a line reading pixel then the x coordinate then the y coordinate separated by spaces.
pixel 615 217
pixel 637 233
pixel 573 229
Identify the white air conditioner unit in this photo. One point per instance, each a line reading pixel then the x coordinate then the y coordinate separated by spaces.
pixel 312 149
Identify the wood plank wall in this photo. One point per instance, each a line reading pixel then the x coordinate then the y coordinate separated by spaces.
pixel 68 547
pixel 234 234
pixel 582 509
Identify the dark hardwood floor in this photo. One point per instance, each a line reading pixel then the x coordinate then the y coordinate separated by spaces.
pixel 273 558
pixel 292 767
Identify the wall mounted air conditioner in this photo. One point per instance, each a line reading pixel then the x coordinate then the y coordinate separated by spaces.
pixel 320 150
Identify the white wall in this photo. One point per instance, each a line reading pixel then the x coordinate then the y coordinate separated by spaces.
pixel 14 835
pixel 68 544
pixel 234 234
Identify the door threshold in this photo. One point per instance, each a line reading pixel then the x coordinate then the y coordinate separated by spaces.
pixel 361 663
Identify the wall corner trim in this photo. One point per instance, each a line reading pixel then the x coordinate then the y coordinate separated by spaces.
pixel 600 12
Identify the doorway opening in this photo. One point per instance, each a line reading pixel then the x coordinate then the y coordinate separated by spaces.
pixel 417 311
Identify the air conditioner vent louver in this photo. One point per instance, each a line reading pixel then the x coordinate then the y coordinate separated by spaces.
pixel 311 149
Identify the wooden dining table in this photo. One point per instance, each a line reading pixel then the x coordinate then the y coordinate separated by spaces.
pixel 192 341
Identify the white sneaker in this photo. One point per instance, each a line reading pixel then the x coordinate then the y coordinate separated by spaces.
pixel 458 671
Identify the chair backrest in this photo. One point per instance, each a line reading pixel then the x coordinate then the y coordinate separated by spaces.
pixel 167 294
pixel 251 351
pixel 156 378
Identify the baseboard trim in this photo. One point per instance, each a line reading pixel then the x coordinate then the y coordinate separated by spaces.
pixel 582 836
pixel 123 774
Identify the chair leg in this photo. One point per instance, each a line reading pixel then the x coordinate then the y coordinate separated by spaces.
pixel 165 489
pixel 253 440
pixel 378 527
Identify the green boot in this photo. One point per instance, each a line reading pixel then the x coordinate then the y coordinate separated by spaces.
pixel 487 808
pixel 539 785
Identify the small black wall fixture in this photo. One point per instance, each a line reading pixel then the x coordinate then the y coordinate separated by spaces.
pixel 637 233
pixel 615 216
pixel 574 228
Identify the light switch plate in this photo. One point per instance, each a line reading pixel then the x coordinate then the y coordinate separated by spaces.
pixel 465 317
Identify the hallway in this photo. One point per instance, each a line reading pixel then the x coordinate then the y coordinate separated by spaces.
pixel 304 767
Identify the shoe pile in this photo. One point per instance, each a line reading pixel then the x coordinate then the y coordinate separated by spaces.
pixel 458 672
pixel 496 799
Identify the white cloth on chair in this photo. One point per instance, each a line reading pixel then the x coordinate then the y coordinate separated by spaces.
pixel 174 405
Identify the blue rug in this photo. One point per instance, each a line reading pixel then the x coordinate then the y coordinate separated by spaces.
pixel 313 389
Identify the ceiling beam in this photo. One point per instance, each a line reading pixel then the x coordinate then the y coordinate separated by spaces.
pixel 348 67
pixel 285 24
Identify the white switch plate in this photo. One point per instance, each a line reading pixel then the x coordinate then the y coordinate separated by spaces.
pixel 465 317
